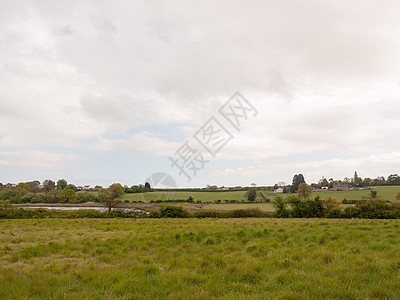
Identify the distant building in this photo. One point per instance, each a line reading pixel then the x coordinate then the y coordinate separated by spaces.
pixel 320 190
pixel 223 188
pixel 279 190
pixel 341 187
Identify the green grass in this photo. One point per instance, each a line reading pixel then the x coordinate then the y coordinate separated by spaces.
pixel 199 259
pixel 233 206
pixel 198 196
pixel 384 192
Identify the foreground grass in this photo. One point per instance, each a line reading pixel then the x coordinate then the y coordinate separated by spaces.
pixel 199 259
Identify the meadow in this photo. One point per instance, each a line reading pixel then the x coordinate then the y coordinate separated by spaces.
pixel 384 192
pixel 199 259
pixel 198 196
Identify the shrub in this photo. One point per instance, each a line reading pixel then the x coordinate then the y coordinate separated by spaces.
pixel 248 213
pixel 154 214
pixel 208 214
pixel 86 197
pixel 334 213
pixel 14 196
pixel 280 206
pixel 39 198
pixel 173 212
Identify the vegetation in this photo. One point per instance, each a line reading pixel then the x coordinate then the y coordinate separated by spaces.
pixel 199 259
pixel 9 212
pixel 109 197
pixel 304 190
pixel 297 180
pixel 251 194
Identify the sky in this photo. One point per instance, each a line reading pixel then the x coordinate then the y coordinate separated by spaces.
pixel 98 92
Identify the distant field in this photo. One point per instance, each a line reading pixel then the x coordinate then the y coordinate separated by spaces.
pixel 199 259
pixel 384 192
pixel 232 206
pixel 198 196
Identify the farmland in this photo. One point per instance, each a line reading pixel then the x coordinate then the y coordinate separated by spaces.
pixel 384 192
pixel 199 258
pixel 198 196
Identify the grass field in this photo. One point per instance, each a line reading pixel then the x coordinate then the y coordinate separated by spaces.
pixel 229 206
pixel 384 192
pixel 198 196
pixel 199 259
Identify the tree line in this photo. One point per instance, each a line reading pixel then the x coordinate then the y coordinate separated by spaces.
pixel 62 192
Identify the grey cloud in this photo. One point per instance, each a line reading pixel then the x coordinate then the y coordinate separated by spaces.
pixel 323 74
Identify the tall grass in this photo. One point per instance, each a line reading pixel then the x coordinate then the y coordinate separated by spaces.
pixel 199 259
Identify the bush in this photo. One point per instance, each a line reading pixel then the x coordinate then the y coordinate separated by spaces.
pixel 86 197
pixel 14 196
pixel 345 201
pixel 154 214
pixel 334 213
pixel 41 213
pixel 39 198
pixel 173 212
pixel 248 213
pixel 208 214
pixel 280 206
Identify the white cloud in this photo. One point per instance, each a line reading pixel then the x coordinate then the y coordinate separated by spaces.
pixel 140 143
pixel 323 75
pixel 39 160
pixel 372 166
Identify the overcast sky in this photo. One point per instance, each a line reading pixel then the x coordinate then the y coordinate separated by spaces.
pixel 98 92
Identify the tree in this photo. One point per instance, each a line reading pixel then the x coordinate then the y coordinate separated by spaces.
pixel 109 196
pixel 135 189
pixel 251 194
pixel 304 190
pixel 147 186
pixel 62 184
pixel 330 204
pixel 24 188
pixel 357 180
pixel 71 187
pixel 52 196
pixel 379 180
pixel 367 181
pixel 323 182
pixel 48 185
pixel 34 186
pixel 141 188
pixel 213 188
pixel 297 179
pixel 5 204
pixel 373 194
pixel 393 179
pixel 173 212
pixel 67 196
pixel 280 206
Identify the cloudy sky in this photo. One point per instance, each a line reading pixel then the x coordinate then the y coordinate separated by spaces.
pixel 98 92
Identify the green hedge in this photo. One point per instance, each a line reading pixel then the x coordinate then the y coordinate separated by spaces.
pixel 41 213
